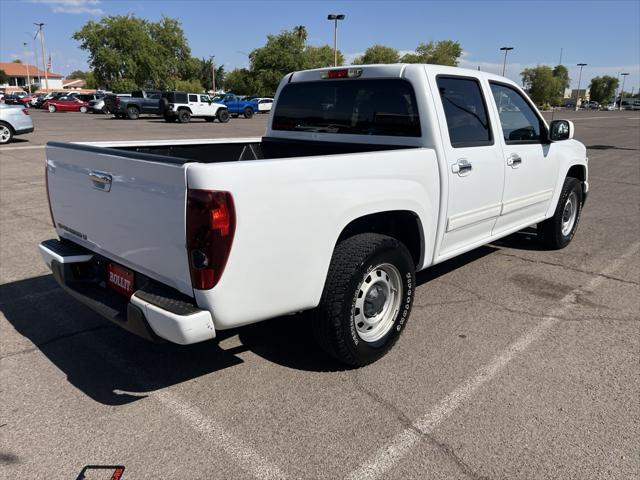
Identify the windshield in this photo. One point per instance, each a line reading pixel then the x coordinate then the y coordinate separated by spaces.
pixel 361 107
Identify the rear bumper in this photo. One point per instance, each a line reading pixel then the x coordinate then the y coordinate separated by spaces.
pixel 24 130
pixel 153 312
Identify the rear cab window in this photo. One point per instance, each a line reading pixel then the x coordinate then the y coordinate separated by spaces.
pixel 385 107
pixel 465 110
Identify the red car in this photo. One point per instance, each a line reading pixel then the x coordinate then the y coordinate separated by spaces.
pixel 66 104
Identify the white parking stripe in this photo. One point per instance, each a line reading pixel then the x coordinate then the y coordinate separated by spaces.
pixel 593 118
pixel 401 444
pixel 238 451
pixel 28 147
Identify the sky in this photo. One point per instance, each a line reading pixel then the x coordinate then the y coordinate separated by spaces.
pixel 603 34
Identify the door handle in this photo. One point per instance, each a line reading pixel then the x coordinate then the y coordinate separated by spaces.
pixel 514 160
pixel 462 167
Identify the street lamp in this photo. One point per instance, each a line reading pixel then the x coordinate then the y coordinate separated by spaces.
pixel 28 76
pixel 213 74
pixel 624 77
pixel 579 79
pixel 335 19
pixel 504 63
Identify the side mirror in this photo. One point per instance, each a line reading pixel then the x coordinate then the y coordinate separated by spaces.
pixel 561 130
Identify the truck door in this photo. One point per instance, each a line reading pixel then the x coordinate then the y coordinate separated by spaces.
pixel 232 103
pixel 474 167
pixel 529 160
pixel 194 104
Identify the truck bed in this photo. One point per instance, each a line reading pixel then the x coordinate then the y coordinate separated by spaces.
pixel 261 149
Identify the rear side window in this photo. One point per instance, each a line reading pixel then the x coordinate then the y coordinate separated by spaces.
pixel 466 112
pixel 193 98
pixel 361 107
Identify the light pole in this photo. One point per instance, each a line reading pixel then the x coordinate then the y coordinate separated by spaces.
pixel 579 79
pixel 44 65
pixel 28 76
pixel 213 74
pixel 624 77
pixel 335 19
pixel 504 63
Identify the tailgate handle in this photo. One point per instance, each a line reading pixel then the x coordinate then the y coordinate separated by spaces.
pixel 101 181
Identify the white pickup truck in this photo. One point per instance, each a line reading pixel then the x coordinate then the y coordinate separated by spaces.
pixel 365 175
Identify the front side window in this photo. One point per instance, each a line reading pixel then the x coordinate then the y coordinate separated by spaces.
pixel 520 123
pixel 360 107
pixel 465 110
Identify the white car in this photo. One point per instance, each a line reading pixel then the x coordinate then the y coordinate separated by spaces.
pixel 264 104
pixel 364 176
pixel 14 120
pixel 185 106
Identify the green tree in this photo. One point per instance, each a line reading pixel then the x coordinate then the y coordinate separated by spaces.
pixel 90 81
pixel 123 85
pixel 543 86
pixel 125 50
pixel 301 32
pixel 443 52
pixel 78 74
pixel 378 54
pixel 240 81
pixel 4 78
pixel 562 74
pixel 17 60
pixel 602 89
pixel 318 57
pixel 188 86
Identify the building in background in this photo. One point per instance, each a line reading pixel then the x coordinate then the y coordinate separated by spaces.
pixel 18 74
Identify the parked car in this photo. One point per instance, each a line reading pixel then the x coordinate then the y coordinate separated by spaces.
pixel 14 120
pixel 237 106
pixel 401 167
pixel 42 102
pixel 97 105
pixel 183 107
pixel 18 98
pixel 264 104
pixel 609 107
pixel 131 107
pixel 67 104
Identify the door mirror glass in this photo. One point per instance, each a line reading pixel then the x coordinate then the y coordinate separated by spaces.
pixel 560 130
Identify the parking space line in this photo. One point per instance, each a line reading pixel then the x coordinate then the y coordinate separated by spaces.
pixel 594 118
pixel 245 456
pixel 27 147
pixel 400 445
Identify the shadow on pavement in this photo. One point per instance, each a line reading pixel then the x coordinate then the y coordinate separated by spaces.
pixel 608 147
pixel 114 367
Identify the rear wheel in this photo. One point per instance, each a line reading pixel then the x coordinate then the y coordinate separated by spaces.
pixel 6 133
pixel 83 109
pixel 248 112
pixel 184 116
pixel 52 108
pixel 366 300
pixel 223 115
pixel 558 231
pixel 105 110
pixel 133 113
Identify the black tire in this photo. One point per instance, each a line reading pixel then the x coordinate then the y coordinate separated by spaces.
pixel 333 320
pixel 550 232
pixel 223 115
pixel 6 133
pixel 248 113
pixel 105 110
pixel 184 116
pixel 52 108
pixel 133 113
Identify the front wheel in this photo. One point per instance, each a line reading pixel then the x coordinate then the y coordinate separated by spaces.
pixel 52 108
pixel 367 299
pixel 558 231
pixel 223 115
pixel 248 113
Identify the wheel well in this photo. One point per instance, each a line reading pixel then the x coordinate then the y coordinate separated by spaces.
pixel 402 225
pixel 184 108
pixel 8 125
pixel 133 106
pixel 578 172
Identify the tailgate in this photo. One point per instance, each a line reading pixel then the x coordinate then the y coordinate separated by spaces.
pixel 127 206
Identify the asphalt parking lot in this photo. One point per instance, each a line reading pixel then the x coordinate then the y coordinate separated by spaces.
pixel 516 363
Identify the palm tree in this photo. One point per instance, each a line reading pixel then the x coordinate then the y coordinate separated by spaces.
pixel 301 32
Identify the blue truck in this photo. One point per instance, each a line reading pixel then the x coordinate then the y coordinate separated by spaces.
pixel 237 106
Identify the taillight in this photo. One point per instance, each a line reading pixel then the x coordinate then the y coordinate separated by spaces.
pixel 211 224
pixel 25 111
pixel 46 182
pixel 342 73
